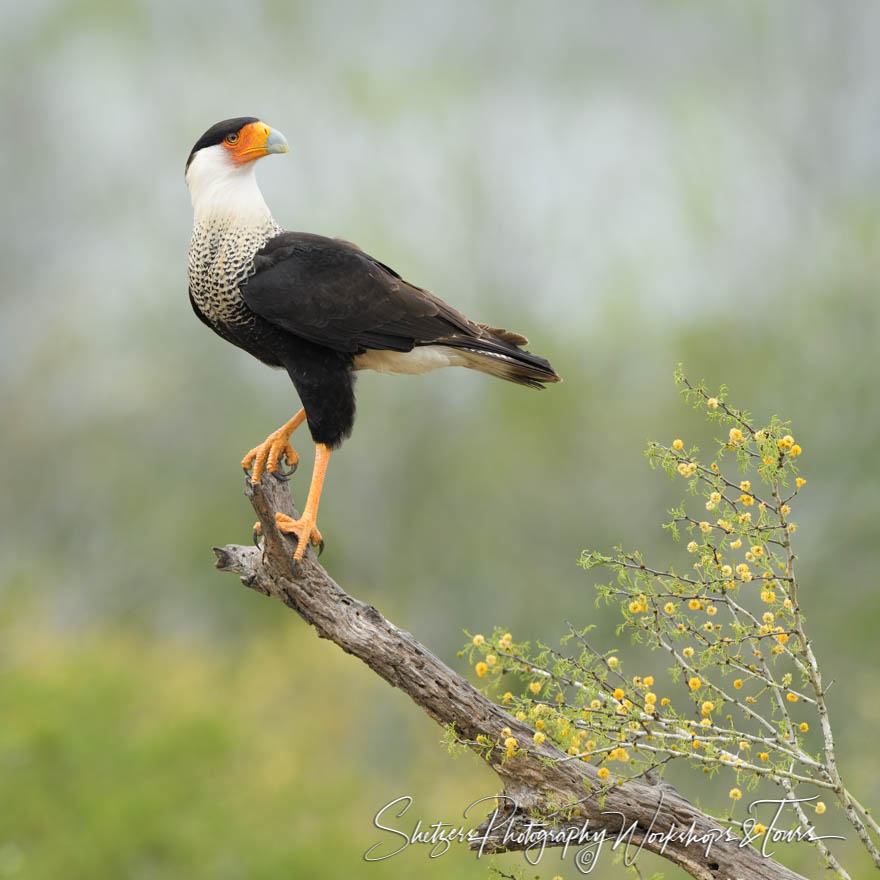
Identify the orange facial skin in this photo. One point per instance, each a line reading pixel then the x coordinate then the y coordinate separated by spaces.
pixel 248 143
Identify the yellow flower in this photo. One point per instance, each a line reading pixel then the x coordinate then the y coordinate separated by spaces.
pixel 535 687
pixel 539 737
pixel 711 610
pixel 712 403
pixel 618 694
pixel 820 807
pixel 521 716
pixel 714 466
pixel 650 697
pixel 785 442
pixel 706 722
pixel 792 528
pixel 595 704
pixel 768 596
pixel 803 727
pixel 635 607
pixel 510 743
pixel 763 756
pixel 505 731
pixel 795 450
pixel 707 707
pixel 648 680
pixel 603 773
pixel 735 794
pixel 539 724
pixel 481 669
pixel 748 500
pixel 715 497
pixel 785 510
pixel 664 701
pixel 504 641
pixel 705 527
pixel 757 550
pixel 735 435
pixel 491 659
pixel 507 698
pixel 677 444
pixel 735 545
pixel 688 652
pixel 800 481
pixel 694 683
pixel 745 485
pixel 669 607
pixel 726 571
pixel 759 829
pixel 478 640
pixel 612 662
pixel 692 547
pixel 695 604
pixel 745 745
pixel 792 698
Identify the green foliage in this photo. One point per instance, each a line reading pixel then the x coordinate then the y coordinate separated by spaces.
pixel 743 693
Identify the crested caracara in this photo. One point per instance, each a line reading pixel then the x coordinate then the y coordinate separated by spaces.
pixel 317 307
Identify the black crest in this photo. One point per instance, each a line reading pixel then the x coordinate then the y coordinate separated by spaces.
pixel 215 134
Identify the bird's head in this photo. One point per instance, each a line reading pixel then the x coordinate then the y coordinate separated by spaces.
pixel 220 167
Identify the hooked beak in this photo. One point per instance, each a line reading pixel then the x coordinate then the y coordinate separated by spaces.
pixel 276 142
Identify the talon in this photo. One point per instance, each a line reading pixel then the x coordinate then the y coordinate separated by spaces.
pixel 273 450
pixel 321 548
pixel 258 532
pixel 302 528
pixel 280 474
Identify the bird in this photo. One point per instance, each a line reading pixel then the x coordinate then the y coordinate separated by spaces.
pixel 320 308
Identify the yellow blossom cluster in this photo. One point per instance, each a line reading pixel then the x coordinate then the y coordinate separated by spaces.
pixel 687 468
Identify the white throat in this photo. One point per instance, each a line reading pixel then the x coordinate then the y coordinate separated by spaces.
pixel 223 193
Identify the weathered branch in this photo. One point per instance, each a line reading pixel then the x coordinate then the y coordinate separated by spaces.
pixel 539 781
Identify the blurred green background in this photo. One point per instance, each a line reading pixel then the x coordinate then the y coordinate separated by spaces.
pixel 630 184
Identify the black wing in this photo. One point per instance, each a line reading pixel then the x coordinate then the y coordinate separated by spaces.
pixel 333 294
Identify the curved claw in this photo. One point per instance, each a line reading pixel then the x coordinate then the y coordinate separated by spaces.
pixel 321 547
pixel 257 533
pixel 280 474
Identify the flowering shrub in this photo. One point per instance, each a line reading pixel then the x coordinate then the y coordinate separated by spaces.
pixel 742 693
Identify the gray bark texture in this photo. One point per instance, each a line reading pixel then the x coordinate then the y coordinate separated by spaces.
pixel 540 781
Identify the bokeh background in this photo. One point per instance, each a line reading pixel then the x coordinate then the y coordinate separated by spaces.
pixel 631 184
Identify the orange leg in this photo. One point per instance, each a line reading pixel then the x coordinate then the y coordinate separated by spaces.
pixel 304 528
pixel 268 455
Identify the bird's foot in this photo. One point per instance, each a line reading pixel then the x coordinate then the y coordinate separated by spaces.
pixel 305 531
pixel 267 457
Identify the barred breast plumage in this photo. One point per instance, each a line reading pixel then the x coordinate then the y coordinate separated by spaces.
pixel 221 257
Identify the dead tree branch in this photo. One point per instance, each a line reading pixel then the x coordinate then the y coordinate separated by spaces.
pixel 539 781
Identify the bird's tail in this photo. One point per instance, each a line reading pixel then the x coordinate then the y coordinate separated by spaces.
pixel 498 353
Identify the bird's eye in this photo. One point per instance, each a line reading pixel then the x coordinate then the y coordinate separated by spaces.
pixel 232 138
